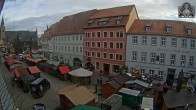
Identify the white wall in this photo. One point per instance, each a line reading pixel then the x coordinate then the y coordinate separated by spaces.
pixel 167 50
pixel 68 41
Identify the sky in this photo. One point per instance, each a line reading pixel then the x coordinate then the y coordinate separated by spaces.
pixel 32 14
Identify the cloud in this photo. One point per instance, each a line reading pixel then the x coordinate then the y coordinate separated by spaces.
pixel 31 14
pixel 34 22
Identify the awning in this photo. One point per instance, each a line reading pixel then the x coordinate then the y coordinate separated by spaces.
pixel 10 61
pixel 64 69
pixel 34 69
pixel 19 72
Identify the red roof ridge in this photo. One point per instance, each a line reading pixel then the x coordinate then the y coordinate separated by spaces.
pixel 159 27
pixel 109 12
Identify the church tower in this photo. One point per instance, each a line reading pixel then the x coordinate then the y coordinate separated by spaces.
pixel 2 37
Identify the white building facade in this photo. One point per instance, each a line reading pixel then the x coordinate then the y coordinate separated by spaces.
pixel 68 48
pixel 159 55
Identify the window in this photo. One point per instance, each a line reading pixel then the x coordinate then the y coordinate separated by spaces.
pixel 119 45
pixel 118 21
pixel 143 71
pixel 160 75
pixel 134 56
pixel 62 48
pixel 105 34
pixel 191 61
pixel 80 37
pixel 144 55
pixel 76 49
pixel 101 23
pixel 153 57
pixel 111 45
pixel 89 34
pixel 86 44
pixel 135 39
pixel 80 49
pixel 93 34
pixel 173 42
pixel 168 29
pixel 116 68
pixel 68 38
pixel 153 41
pixel 98 54
pixel 111 56
pixel 163 41
pixel 111 34
pixel 105 55
pixel 173 59
pixel 92 54
pixel 189 31
pixel 77 38
pixel 192 44
pixel 97 65
pixel 121 34
pixel 148 28
pixel 182 60
pixel 184 43
pixel 89 54
pixel 98 44
pixel 98 34
pixel 86 53
pixel 151 72
pixel 89 44
pixel 118 57
pixel 73 49
pixel 117 34
pixel 73 38
pixel 162 58
pixel 93 44
pixel 144 40
pixel 105 44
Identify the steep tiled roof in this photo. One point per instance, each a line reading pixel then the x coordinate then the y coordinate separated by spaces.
pixel 72 24
pixel 25 36
pixel 111 12
pixel 179 28
pixel 110 17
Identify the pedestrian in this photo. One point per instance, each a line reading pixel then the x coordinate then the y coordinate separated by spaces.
pixel 12 81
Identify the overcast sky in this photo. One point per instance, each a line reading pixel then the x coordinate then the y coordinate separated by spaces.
pixel 32 14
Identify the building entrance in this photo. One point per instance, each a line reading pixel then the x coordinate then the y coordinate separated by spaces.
pixel 106 68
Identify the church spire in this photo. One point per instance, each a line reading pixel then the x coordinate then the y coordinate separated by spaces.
pixel 2 22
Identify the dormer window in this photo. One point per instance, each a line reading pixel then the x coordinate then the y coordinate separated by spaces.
pixel 119 19
pixel 148 28
pixel 189 31
pixel 102 21
pixel 90 22
pixel 168 29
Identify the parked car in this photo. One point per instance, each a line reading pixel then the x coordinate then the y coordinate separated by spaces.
pixel 39 87
pixel 39 106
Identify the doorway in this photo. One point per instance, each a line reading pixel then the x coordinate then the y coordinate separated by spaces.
pixel 106 68
pixel 170 76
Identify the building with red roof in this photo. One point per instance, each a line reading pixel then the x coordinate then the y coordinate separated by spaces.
pixel 105 38
pixel 162 48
